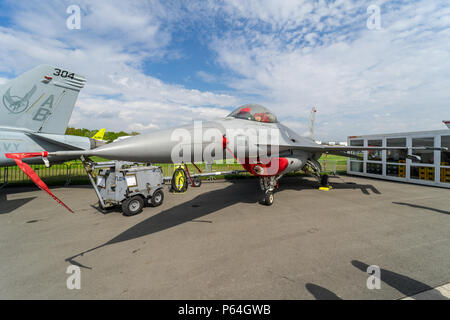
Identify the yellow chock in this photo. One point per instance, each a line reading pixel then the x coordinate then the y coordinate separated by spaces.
pixel 324 189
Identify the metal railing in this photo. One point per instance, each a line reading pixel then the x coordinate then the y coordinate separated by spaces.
pixel 59 172
pixel 66 173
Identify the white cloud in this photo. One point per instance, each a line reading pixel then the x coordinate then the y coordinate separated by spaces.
pixel 348 72
pixel 115 39
pixel 289 55
pixel 141 127
pixel 205 76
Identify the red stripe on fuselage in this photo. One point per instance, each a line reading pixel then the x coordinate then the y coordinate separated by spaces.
pixel 271 166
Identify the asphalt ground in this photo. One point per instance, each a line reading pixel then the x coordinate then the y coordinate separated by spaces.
pixel 218 242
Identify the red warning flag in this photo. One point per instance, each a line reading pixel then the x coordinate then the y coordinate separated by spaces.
pixel 17 157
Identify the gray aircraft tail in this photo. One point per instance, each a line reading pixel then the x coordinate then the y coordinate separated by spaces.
pixel 40 100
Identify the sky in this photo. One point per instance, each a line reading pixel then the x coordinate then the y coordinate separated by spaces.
pixel 158 64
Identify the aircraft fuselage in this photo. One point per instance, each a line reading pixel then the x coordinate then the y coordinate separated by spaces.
pixel 203 142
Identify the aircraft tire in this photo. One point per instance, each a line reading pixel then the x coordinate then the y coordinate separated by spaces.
pixel 268 198
pixel 157 198
pixel 132 206
pixel 179 181
pixel 324 180
pixel 197 182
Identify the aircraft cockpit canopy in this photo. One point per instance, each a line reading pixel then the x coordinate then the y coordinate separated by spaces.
pixel 254 112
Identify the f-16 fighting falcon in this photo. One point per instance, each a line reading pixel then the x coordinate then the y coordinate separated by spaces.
pixel 251 135
pixel 35 109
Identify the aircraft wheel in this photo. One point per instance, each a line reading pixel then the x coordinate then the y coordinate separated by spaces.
pixel 324 180
pixel 197 182
pixel 132 206
pixel 157 198
pixel 268 198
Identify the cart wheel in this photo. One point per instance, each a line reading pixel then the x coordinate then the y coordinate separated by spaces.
pixel 132 206
pixel 268 198
pixel 197 182
pixel 157 198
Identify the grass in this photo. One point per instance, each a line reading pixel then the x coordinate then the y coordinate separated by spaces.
pixel 58 174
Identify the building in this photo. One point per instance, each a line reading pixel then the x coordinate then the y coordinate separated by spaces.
pixel 433 168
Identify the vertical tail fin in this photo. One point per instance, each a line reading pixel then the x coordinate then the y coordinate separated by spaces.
pixel 40 100
pixel 99 135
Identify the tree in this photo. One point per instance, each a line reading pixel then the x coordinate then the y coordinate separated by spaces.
pixel 109 135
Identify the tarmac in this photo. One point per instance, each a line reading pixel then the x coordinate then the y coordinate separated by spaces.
pixel 218 242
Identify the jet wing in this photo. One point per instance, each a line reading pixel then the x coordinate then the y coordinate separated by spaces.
pixel 345 154
pixel 343 150
pixel 351 148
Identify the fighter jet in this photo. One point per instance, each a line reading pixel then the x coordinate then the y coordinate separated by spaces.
pixel 35 109
pixel 250 135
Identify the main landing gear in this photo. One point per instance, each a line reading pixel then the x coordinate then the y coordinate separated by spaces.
pixel 324 181
pixel 316 168
pixel 268 185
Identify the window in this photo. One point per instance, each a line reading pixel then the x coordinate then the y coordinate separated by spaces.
pixel 422 173
pixel 356 166
pixel 374 155
pixel 375 168
pixel 445 155
pixel 445 175
pixel 398 156
pixel 394 170
pixel 445 160
pixel 427 156
pixel 357 143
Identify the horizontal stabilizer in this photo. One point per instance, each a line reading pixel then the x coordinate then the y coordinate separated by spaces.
pixel 59 140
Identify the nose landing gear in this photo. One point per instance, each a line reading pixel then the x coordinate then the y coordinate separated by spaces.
pixel 268 198
pixel 268 185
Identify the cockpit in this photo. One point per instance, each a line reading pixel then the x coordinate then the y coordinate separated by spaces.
pixel 254 112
